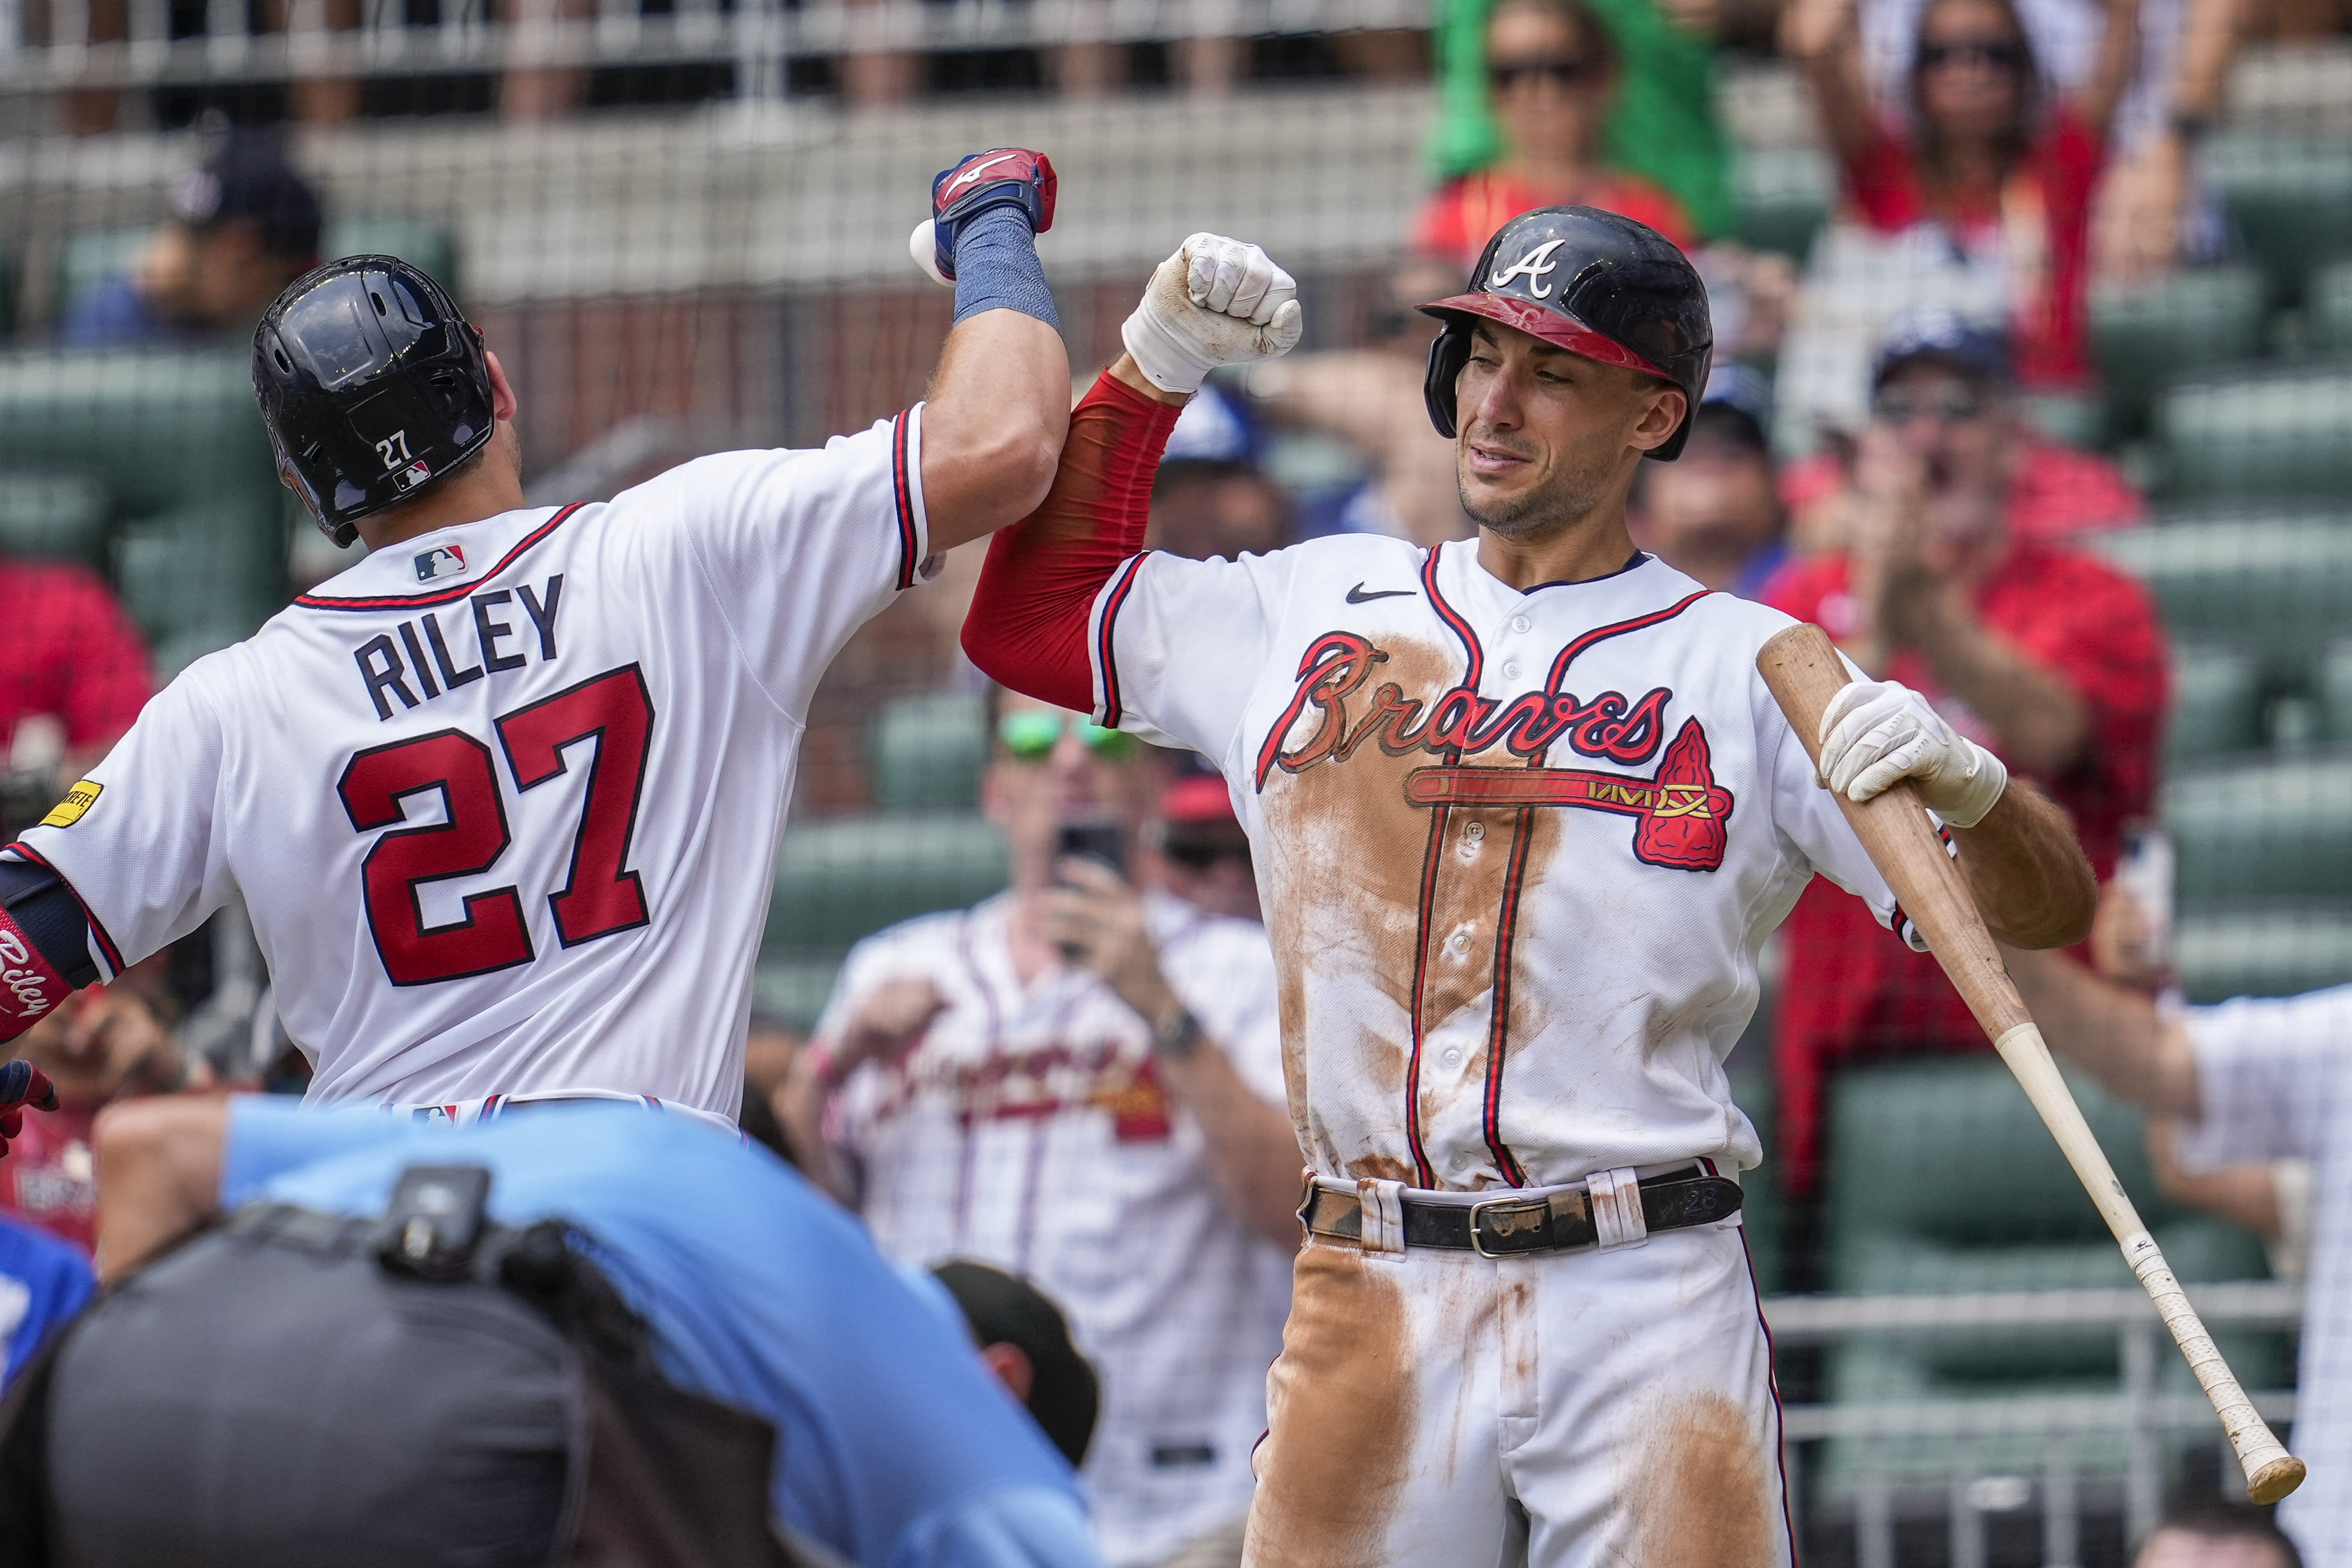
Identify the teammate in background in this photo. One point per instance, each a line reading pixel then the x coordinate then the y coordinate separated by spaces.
pixel 2218 1535
pixel 502 798
pixel 2051 657
pixel 242 226
pixel 849 1409
pixel 1523 812
pixel 1083 1085
pixel 2257 1079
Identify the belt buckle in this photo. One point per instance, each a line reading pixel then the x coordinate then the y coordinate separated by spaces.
pixel 1519 1215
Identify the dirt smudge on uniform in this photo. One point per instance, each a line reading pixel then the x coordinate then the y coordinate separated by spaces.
pixel 1379 1167
pixel 1341 1409
pixel 1698 1495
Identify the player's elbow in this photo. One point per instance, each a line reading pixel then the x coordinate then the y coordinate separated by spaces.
pixel 2056 910
pixel 990 472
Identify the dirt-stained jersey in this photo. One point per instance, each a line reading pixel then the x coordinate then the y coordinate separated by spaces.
pixel 1517 851
pixel 502 800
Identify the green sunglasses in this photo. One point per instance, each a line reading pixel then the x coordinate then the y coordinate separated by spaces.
pixel 1031 733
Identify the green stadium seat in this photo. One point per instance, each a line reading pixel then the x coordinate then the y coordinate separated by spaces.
pixel 2143 337
pixel 2280 948
pixel 2327 308
pixel 793 991
pixel 2268 828
pixel 93 255
pixel 2332 687
pixel 1784 196
pixel 2277 431
pixel 841 878
pixel 927 752
pixel 2275 582
pixel 2291 198
pixel 2217 702
pixel 198 516
pixel 55 517
pixel 1943 1179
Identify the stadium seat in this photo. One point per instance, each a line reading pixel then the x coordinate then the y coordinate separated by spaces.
pixel 198 517
pixel 2332 688
pixel 2327 308
pixel 927 752
pixel 2217 702
pixel 840 878
pixel 1784 195
pixel 2277 583
pixel 90 258
pixel 2291 198
pixel 2279 948
pixel 2145 337
pixel 55 517
pixel 2278 431
pixel 2267 828
pixel 1943 1179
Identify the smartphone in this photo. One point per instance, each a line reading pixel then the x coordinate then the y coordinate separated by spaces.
pixel 434 1221
pixel 1099 839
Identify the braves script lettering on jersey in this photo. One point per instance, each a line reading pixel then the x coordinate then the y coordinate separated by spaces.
pixel 502 799
pixel 1518 850
pixel 1028 1128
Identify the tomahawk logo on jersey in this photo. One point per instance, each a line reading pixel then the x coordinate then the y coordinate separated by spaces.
pixel 502 799
pixel 1608 815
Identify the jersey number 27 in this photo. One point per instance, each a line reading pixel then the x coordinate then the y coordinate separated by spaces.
pixel 600 897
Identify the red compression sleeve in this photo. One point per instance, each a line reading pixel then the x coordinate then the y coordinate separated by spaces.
pixel 1028 625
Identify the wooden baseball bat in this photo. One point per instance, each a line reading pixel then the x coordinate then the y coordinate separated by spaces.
pixel 1804 672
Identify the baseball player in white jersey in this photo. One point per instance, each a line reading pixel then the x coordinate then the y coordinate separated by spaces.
pixel 1523 814
pixel 503 797
pixel 1084 1087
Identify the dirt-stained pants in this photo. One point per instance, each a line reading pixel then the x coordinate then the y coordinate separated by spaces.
pixel 1438 1410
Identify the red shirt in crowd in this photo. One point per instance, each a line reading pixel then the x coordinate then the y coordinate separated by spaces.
pixel 1462 214
pixel 70 651
pixel 50 1180
pixel 2039 217
pixel 1848 990
pixel 2056 493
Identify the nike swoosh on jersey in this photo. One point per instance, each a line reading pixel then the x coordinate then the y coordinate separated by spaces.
pixel 1357 595
pixel 969 176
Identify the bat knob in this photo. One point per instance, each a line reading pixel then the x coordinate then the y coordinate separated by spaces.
pixel 2275 1479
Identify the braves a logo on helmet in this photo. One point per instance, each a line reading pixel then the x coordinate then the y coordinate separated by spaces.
pixel 441 561
pixel 1535 266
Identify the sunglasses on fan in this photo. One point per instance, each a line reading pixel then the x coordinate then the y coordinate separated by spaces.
pixel 1505 75
pixel 2007 56
pixel 1031 735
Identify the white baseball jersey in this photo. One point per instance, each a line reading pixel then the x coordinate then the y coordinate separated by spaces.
pixel 1518 851
pixel 1028 1129
pixel 502 800
pixel 2274 1081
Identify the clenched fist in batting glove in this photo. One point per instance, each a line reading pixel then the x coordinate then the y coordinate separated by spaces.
pixel 1216 301
pixel 22 1084
pixel 1875 732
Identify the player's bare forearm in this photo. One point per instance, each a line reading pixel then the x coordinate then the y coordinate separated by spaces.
pixel 159 1174
pixel 2042 722
pixel 993 425
pixel 2111 1031
pixel 2118 60
pixel 800 1107
pixel 2029 878
pixel 1125 371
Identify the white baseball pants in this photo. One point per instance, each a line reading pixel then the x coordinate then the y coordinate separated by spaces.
pixel 1438 1410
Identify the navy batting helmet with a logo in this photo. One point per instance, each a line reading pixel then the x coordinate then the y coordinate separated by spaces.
pixel 373 386
pixel 1594 283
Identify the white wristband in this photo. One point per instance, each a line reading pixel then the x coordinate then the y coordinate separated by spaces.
pixel 1166 360
pixel 1978 790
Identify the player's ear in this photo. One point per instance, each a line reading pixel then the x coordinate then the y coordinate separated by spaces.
pixel 1661 416
pixel 502 398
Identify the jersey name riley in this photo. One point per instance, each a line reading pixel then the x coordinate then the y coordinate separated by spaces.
pixel 415 664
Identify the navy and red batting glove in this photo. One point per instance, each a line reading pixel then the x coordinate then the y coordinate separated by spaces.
pixel 1000 177
pixel 22 1084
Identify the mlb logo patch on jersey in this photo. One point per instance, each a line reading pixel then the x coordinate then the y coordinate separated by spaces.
pixel 441 561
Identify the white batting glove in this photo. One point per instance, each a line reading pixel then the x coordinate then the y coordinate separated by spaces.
pixel 1216 301
pixel 1875 732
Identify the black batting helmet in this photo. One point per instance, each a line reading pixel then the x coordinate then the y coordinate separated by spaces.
pixel 373 385
pixel 1596 284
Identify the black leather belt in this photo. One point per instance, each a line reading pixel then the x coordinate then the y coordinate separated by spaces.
pixel 1559 1221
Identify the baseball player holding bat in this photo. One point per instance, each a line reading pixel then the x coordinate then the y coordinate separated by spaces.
pixel 1523 811
pixel 503 797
